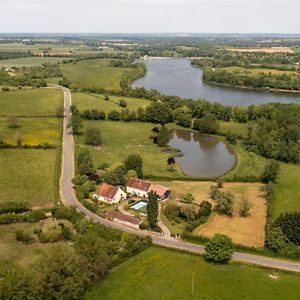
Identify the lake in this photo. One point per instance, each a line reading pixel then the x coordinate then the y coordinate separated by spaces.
pixel 172 76
pixel 202 155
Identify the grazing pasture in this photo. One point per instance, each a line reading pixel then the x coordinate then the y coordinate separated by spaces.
pixel 31 103
pixel 95 73
pixel 159 273
pixel 88 101
pixel 29 175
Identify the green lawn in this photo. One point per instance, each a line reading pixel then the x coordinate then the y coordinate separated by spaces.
pixel 121 139
pixel 30 175
pixel 33 131
pixel 236 128
pixel 94 73
pixel 159 273
pixel 287 192
pixel 33 102
pixel 86 101
pixel 29 61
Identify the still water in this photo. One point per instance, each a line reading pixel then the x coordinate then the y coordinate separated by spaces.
pixel 178 77
pixel 202 155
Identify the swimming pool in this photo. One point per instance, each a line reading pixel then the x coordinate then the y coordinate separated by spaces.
pixel 139 205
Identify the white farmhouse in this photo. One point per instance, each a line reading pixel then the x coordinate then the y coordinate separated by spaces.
pixel 109 194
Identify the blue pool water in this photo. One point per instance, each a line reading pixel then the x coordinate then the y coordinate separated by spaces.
pixel 139 205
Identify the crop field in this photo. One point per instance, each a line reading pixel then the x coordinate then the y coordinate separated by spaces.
pixel 266 50
pixel 30 61
pixel 247 231
pixel 23 254
pixel 121 139
pixel 33 102
pixel 33 131
pixel 29 175
pixel 94 73
pixel 87 101
pixel 159 273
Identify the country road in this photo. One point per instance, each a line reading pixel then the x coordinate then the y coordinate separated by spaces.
pixel 69 199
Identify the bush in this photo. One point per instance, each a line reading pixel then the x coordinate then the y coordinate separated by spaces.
pixel 35 216
pixel 5 89
pixel 270 172
pixel 214 191
pixel 103 166
pixel 205 209
pixel 207 124
pixel 219 249
pixel 14 206
pixel 188 198
pixel 275 239
pixel 93 136
pixel 225 202
pixel 23 236
pixel 122 103
pixel 114 115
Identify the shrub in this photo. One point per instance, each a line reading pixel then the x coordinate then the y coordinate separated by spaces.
pixel 207 124
pixel 205 209
pixel 93 136
pixel 214 191
pixel 172 211
pixel 122 103
pixel 14 206
pixel 275 239
pixel 225 202
pixel 219 249
pixel 23 236
pixel 5 89
pixel 188 198
pixel 114 115
pixel 35 216
pixel 270 172
pixel 163 137
pixel 220 183
pixel 245 207
pixel 103 166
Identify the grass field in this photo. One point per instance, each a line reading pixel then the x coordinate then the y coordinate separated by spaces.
pixel 159 273
pixel 33 102
pixel 29 61
pixel 94 73
pixel 33 131
pixel 121 139
pixel 239 129
pixel 287 192
pixel 30 175
pixel 247 231
pixel 266 50
pixel 87 101
pixel 19 253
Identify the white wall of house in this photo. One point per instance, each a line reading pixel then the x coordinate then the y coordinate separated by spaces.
pixel 137 192
pixel 118 196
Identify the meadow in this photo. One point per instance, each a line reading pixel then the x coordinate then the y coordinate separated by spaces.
pixel 30 61
pixel 121 139
pixel 239 129
pixel 95 73
pixel 33 131
pixel 88 101
pixel 30 103
pixel 158 273
pixel 30 175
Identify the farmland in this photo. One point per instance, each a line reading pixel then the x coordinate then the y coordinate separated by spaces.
pixel 29 61
pixel 88 101
pixel 95 73
pixel 170 274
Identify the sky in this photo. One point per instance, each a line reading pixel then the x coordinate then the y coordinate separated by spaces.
pixel 150 16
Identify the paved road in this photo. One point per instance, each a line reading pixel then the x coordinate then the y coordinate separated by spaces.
pixel 68 198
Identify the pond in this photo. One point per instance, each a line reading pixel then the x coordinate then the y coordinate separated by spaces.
pixel 202 155
pixel 173 76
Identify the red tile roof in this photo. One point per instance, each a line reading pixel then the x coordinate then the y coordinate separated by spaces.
pixel 107 191
pixel 122 217
pixel 139 184
pixel 159 190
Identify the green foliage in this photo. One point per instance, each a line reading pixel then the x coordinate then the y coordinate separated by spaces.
pixel 231 138
pixel 84 161
pixel 205 209
pixel 130 174
pixel 13 122
pixel 276 240
pixel 188 198
pixel 23 236
pixel 134 162
pixel 183 116
pixel 93 136
pixel 270 172
pixel 76 124
pixel 219 249
pixel 225 202
pixel 114 115
pixel 14 207
pixel 207 124
pixel 122 103
pixel 152 209
pixel 245 207
pixel 115 177
pixel 159 112
pixel 163 137
pixel 289 223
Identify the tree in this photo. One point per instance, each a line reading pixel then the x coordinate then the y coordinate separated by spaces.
pixel 171 160
pixel 76 124
pixel 60 111
pixel 205 209
pixel 159 112
pixel 13 122
pixel 270 172
pixel 106 98
pixel 275 239
pixel 163 137
pixel 134 162
pixel 114 115
pixel 207 124
pixel 130 174
pixel 84 161
pixel 183 116
pixel 152 209
pixel 18 139
pixel 93 136
pixel 122 103
pixel 219 249
pixel 188 198
pixel 225 202
pixel 220 183
pixel 245 207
